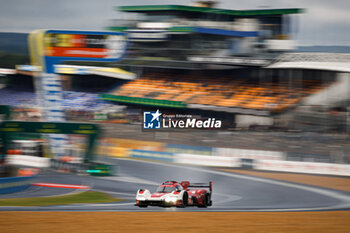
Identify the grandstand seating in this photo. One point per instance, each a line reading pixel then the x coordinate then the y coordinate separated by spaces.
pixel 72 100
pixel 223 91
pixel 17 97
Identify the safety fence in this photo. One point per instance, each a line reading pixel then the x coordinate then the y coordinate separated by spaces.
pixel 219 157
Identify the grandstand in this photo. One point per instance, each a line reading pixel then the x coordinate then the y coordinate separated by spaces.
pixel 202 38
pixel 79 95
pixel 174 32
pixel 236 66
pixel 217 61
pixel 222 91
pixel 232 64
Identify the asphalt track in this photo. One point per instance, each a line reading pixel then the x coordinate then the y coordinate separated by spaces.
pixel 231 192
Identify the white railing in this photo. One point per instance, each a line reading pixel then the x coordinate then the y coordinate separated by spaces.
pixel 315 57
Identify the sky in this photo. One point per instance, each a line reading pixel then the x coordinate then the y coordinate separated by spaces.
pixel 325 22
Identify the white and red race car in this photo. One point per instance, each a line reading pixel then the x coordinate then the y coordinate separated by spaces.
pixel 172 193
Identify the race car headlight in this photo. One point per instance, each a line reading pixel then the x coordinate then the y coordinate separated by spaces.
pixel 171 199
pixel 141 199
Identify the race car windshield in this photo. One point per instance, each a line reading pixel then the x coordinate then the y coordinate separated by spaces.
pixel 165 189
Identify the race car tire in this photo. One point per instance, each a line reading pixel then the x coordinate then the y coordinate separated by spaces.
pixel 194 200
pixel 184 200
pixel 206 202
pixel 142 205
pixel 209 202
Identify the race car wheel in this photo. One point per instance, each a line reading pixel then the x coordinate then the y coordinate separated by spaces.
pixel 142 205
pixel 184 200
pixel 194 200
pixel 205 202
pixel 210 202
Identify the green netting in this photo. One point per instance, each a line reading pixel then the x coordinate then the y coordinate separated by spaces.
pixel 144 101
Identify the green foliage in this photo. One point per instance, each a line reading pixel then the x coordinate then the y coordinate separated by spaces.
pixel 8 60
pixel 14 43
pixel 13 49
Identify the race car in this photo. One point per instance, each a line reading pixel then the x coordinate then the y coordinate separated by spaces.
pixel 172 193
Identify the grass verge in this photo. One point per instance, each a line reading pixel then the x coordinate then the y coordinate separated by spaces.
pixel 78 198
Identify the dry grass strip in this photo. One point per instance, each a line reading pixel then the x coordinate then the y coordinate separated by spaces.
pixel 96 222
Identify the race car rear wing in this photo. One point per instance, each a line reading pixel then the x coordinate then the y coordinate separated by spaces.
pixel 202 185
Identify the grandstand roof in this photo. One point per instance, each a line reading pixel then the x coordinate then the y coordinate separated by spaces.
pixel 318 61
pixel 157 8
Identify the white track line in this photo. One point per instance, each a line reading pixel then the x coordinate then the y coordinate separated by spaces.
pixel 118 193
pixel 110 204
pixel 129 179
pixel 229 198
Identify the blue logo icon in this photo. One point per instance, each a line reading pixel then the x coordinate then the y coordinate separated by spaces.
pixel 151 120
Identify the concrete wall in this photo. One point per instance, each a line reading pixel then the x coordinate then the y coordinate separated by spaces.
pixel 247 120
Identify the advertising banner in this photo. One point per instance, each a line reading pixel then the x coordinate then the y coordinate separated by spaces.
pixel 204 160
pixel 249 154
pixel 154 155
pixel 187 149
pixel 83 45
